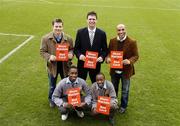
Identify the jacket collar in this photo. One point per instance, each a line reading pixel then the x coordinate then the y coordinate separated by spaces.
pixel 69 82
pixel 121 39
pixel 104 87
pixel 51 36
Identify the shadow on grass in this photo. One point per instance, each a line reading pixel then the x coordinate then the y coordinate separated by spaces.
pixel 88 120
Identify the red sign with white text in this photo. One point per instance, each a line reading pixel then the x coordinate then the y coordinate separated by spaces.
pixel 91 58
pixel 103 105
pixel 62 52
pixel 74 96
pixel 116 59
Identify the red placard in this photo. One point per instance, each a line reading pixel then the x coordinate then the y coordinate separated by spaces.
pixel 62 52
pixel 91 58
pixel 103 105
pixel 116 59
pixel 74 96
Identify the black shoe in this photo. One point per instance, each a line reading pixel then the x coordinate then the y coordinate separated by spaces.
pixel 122 110
pixel 111 121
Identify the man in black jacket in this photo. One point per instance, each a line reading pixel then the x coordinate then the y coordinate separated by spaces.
pixel 93 39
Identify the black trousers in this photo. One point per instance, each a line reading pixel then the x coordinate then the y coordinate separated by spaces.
pixel 64 110
pixel 83 72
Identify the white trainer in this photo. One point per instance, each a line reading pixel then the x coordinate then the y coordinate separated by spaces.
pixel 64 116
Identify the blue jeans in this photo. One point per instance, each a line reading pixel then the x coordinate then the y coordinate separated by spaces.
pixel 52 85
pixel 115 78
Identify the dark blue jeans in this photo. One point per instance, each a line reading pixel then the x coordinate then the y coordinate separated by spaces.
pixel 52 85
pixel 115 78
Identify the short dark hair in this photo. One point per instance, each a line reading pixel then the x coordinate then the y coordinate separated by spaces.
pixel 57 20
pixel 72 67
pixel 93 13
pixel 101 74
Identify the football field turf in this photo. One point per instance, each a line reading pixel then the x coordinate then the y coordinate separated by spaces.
pixel 155 89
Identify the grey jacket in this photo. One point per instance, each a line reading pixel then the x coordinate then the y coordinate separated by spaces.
pixel 107 90
pixel 60 92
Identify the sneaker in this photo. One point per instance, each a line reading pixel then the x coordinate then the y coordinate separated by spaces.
pixel 80 113
pixel 122 110
pixel 64 116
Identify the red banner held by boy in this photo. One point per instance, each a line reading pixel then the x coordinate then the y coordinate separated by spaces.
pixel 74 96
pixel 103 105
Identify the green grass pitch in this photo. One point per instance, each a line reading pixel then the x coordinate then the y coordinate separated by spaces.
pixel 155 89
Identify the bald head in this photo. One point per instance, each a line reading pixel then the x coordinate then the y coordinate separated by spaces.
pixel 121 31
pixel 120 25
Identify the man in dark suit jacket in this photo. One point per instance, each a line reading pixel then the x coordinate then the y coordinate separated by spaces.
pixel 90 39
pixel 130 55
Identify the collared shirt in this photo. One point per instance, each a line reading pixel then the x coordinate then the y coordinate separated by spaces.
pixel 101 91
pixel 121 40
pixel 72 83
pixel 61 90
pixel 104 86
pixel 59 37
pixel 93 31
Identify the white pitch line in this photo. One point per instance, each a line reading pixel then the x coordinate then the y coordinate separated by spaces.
pixel 45 1
pixel 17 48
pixel 14 34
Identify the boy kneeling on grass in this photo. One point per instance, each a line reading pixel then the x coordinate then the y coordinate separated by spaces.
pixel 104 98
pixel 68 95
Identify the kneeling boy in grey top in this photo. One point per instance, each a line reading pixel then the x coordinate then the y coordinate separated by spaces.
pixel 60 95
pixel 104 87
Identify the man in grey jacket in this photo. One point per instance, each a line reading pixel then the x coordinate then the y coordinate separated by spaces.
pixel 104 87
pixel 60 95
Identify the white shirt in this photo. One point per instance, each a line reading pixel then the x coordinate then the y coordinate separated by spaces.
pixel 89 31
pixel 121 40
pixel 69 82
